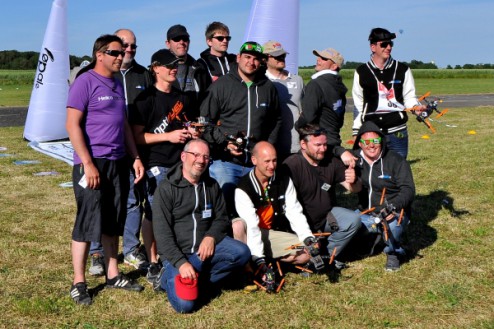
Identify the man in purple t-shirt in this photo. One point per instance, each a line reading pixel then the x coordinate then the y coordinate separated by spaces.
pixel 101 136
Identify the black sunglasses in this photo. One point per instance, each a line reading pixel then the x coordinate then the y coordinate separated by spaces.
pixel 385 44
pixel 178 39
pixel 220 38
pixel 115 53
pixel 316 133
pixel 132 45
pixel 279 58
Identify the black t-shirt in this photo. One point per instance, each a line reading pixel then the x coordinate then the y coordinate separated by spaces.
pixel 315 185
pixel 161 112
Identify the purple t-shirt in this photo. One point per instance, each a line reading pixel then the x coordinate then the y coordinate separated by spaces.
pixel 102 101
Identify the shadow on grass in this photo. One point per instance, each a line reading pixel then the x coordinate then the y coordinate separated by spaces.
pixel 419 234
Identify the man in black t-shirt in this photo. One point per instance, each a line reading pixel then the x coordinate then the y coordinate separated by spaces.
pixel 315 173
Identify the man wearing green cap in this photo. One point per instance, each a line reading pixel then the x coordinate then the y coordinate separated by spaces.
pixel 243 107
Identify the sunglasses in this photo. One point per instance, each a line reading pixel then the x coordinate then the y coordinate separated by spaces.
pixel 132 45
pixel 385 44
pixel 375 141
pixel 115 53
pixel 279 58
pixel 178 39
pixel 220 38
pixel 171 66
pixel 200 129
pixel 316 133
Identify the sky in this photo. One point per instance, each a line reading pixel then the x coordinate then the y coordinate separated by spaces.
pixel 446 32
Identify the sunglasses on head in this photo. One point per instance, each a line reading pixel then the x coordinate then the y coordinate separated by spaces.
pixel 114 53
pixel 316 133
pixel 220 38
pixel 385 44
pixel 367 142
pixel 171 66
pixel 132 45
pixel 183 38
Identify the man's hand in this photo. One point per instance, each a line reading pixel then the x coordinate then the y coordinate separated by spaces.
pixel 418 109
pixel 206 248
pixel 92 176
pixel 178 136
pixel 233 149
pixel 348 159
pixel 138 169
pixel 350 176
pixel 187 271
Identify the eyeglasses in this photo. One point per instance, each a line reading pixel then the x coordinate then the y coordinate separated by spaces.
pixel 367 142
pixel 115 53
pixel 385 44
pixel 220 38
pixel 280 58
pixel 199 155
pixel 132 45
pixel 178 39
pixel 200 129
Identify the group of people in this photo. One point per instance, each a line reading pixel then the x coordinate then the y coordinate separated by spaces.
pixel 186 153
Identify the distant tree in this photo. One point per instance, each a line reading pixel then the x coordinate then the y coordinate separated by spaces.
pixel 457 67
pixel 449 67
pixel 28 60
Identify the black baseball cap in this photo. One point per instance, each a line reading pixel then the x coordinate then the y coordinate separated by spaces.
pixel 177 31
pixel 380 34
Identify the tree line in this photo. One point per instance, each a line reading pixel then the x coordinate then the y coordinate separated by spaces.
pixel 28 60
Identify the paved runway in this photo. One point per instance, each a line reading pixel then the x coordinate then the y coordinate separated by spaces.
pixel 16 116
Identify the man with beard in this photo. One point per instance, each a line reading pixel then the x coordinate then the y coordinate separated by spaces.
pixel 315 173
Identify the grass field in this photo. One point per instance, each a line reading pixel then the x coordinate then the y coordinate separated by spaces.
pixel 448 281
pixel 16 85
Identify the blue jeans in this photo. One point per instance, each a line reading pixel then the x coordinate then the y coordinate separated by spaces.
pixel 228 175
pixel 153 178
pixel 396 230
pixel 228 256
pixel 349 224
pixel 398 142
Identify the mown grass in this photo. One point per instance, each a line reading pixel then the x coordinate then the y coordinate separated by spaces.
pixel 447 283
pixel 16 85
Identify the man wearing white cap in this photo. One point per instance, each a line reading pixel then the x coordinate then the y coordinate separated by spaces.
pixel 324 101
pixel 290 92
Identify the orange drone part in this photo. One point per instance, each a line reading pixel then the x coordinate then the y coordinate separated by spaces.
pixel 332 256
pixel 401 216
pixel 366 211
pixel 443 112
pixel 424 96
pixel 282 282
pixel 303 269
pixel 428 124
pixel 382 196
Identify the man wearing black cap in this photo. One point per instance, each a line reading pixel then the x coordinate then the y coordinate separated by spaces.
pixel 387 186
pixel 157 118
pixel 382 89
pixel 243 104
pixel 191 77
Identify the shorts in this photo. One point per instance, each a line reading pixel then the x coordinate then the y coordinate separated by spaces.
pixel 104 210
pixel 276 243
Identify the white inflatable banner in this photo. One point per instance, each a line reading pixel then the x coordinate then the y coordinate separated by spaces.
pixel 47 108
pixel 276 20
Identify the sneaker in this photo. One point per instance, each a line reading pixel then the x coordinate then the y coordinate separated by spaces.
pixel 339 265
pixel 136 259
pixel 80 294
pixel 392 263
pixel 153 272
pixel 97 267
pixel 157 281
pixel 123 282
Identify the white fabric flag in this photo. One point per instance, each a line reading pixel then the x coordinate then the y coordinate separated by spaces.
pixel 47 108
pixel 276 20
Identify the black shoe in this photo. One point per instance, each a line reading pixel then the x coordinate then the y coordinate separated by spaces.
pixel 157 281
pixel 392 263
pixel 152 272
pixel 123 282
pixel 80 294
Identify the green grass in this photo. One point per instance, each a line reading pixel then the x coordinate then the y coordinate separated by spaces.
pixel 16 85
pixel 448 282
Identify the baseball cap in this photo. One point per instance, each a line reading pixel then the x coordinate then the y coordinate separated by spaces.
pixel 380 34
pixel 273 48
pixel 177 31
pixel 251 47
pixel 164 57
pixel 186 288
pixel 332 54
